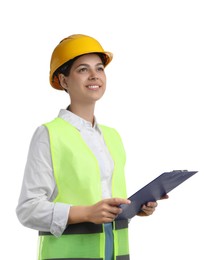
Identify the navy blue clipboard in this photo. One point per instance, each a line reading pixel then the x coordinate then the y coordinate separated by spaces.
pixel 153 191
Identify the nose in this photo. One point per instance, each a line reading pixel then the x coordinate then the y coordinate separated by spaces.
pixel 93 75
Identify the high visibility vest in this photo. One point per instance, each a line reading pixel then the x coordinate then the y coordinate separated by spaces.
pixel 77 177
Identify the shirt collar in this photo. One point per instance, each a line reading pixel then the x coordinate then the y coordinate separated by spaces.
pixel 77 121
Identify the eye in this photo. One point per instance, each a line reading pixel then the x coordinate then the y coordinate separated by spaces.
pixel 83 69
pixel 101 68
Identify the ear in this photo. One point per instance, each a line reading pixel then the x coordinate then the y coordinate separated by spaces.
pixel 63 81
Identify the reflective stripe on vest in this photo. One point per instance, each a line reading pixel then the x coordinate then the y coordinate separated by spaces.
pixel 76 169
pixel 87 228
pixel 122 257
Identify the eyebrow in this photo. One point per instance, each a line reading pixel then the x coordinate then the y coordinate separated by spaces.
pixel 87 65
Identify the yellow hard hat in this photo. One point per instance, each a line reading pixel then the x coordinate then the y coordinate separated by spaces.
pixel 71 47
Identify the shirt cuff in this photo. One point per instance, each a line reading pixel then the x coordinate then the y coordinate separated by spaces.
pixel 60 218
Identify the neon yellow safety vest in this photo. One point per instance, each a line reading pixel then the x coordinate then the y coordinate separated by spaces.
pixel 77 177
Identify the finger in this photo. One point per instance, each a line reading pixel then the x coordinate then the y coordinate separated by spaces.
pixel 150 207
pixel 145 213
pixel 112 214
pixel 116 210
pixel 117 201
pixel 109 219
pixel 152 204
pixel 148 211
pixel 107 208
pixel 166 196
pixel 146 208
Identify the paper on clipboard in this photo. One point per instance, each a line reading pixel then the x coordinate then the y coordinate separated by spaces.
pixel 153 191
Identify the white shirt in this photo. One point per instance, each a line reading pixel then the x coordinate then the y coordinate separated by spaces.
pixel 36 208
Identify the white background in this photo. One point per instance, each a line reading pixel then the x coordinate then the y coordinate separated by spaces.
pixel 160 98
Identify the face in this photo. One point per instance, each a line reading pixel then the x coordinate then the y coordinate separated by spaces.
pixel 86 82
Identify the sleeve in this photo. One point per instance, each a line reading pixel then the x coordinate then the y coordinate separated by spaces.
pixel 36 208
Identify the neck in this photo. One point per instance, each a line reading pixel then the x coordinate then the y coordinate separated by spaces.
pixel 85 112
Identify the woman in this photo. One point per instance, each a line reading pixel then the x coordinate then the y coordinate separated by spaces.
pixel 74 177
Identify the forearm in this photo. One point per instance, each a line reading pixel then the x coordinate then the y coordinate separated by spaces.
pixel 78 214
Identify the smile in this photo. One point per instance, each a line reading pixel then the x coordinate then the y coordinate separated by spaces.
pixel 94 87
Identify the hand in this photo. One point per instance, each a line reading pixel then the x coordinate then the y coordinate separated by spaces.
pixel 102 212
pixel 149 208
pixel 106 210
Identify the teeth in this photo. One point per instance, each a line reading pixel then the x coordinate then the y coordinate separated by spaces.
pixel 93 87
